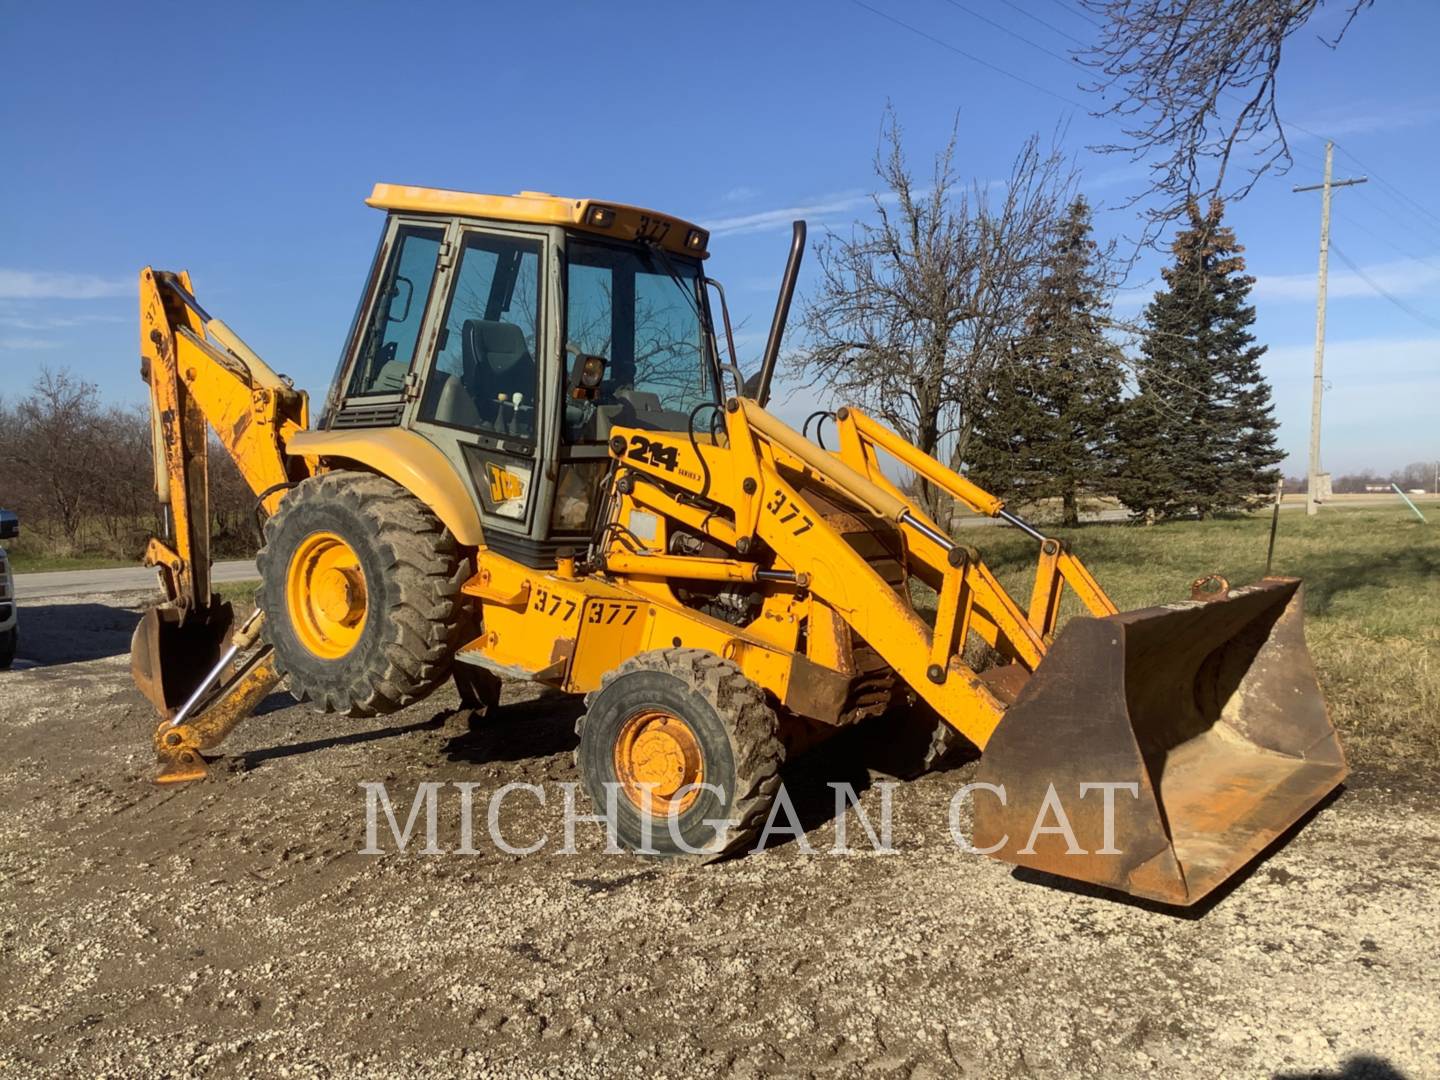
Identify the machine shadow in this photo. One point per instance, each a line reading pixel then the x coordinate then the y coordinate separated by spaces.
pixel 535 728
pixel 844 759
pixel 253 758
pixel 54 634
pixel 1359 1067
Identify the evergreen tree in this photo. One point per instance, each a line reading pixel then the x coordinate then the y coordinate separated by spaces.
pixel 1198 437
pixel 1045 431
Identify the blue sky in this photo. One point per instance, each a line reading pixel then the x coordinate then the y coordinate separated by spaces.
pixel 239 141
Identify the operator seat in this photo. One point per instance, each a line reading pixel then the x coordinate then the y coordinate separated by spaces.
pixel 496 360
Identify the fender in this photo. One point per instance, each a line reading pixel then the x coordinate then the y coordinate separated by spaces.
pixel 409 459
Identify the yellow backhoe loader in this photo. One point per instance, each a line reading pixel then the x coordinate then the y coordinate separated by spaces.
pixel 536 462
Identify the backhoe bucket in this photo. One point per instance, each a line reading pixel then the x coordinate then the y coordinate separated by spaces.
pixel 172 651
pixel 1158 751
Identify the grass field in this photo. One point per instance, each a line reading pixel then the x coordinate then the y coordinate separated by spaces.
pixel 24 560
pixel 239 593
pixel 1372 602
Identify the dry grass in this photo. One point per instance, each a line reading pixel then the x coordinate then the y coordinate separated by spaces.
pixel 1372 602
pixel 241 594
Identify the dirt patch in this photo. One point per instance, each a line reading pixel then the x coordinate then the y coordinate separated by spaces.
pixel 234 927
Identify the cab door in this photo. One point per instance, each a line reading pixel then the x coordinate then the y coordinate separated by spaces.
pixel 484 399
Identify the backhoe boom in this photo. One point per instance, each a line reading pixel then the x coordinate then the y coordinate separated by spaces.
pixel 202 377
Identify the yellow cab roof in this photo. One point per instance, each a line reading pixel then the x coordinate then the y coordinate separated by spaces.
pixel 539 208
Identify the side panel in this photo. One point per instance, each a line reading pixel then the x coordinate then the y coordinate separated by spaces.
pixel 568 632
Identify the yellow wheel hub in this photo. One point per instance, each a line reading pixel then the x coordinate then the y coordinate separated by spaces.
pixel 325 595
pixel 659 751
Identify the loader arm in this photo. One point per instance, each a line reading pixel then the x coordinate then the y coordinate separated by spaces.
pixel 202 378
pixel 1206 715
pixel 760 472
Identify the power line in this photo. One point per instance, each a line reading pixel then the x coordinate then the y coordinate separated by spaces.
pixel 1379 238
pixel 1078 14
pixel 1425 212
pixel 968 56
pixel 1013 33
pixel 1409 223
pixel 1414 313
pixel 1044 22
pixel 1294 152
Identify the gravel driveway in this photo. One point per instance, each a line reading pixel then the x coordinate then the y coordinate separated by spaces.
pixel 234 928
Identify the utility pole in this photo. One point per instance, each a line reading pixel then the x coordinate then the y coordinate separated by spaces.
pixel 1312 488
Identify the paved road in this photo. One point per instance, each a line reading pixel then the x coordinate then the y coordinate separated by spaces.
pixel 115 579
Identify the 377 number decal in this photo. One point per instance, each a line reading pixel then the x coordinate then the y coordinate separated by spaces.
pixel 652 228
pixel 648 452
pixel 786 511
pixel 607 612
pixel 552 605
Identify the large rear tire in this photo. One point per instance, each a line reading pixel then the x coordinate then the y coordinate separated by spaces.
pixel 676 718
pixel 360 586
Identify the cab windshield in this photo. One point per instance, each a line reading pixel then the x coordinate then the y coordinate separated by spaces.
pixel 640 310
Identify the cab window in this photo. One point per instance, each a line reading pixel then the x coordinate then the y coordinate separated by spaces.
pixel 485 376
pixel 640 311
pixel 388 345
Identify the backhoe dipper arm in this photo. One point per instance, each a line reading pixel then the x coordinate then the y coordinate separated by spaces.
pixel 200 375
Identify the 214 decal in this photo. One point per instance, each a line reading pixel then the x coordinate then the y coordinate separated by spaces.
pixel 648 452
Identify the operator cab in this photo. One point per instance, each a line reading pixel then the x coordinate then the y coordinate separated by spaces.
pixel 514 332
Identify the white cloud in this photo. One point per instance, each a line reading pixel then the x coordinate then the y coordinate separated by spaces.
pixel 24 344
pixel 1362 121
pixel 1362 364
pixel 1379 407
pixel 823 210
pixel 743 193
pixel 46 285
pixel 1403 277
pixel 765 220
pixel 52 322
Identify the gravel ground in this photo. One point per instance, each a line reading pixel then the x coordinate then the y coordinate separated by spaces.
pixel 233 927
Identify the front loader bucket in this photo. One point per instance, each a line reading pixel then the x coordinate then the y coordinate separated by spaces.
pixel 172 651
pixel 1206 724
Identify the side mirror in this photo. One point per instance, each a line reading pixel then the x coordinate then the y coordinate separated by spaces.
pixel 390 315
pixel 586 374
pixel 752 384
pixel 9 525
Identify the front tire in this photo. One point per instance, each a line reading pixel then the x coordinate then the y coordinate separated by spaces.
pixel 675 718
pixel 9 639
pixel 360 586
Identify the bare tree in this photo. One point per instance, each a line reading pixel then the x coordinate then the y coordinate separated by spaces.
pixel 50 456
pixel 1192 81
pixel 81 474
pixel 915 313
pixel 123 506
